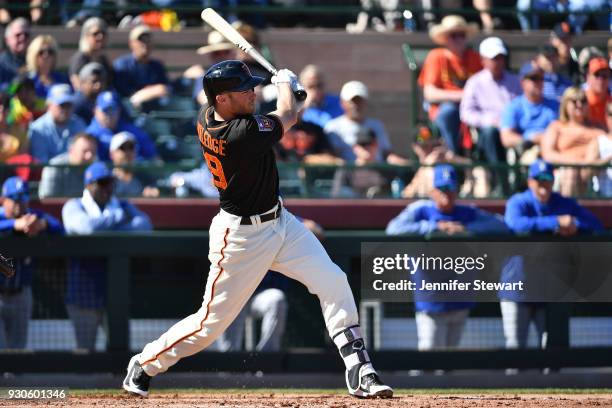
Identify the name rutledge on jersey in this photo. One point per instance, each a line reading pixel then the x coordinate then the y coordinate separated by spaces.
pixel 450 285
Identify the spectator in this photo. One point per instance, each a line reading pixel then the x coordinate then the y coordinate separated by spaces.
pixel 92 81
pixel 49 134
pixel 597 90
pixel 306 142
pixel 25 107
pixel 138 76
pixel 34 11
pixel 319 107
pixel 16 218
pixel 362 182
pixel 440 324
pixel 123 155
pixel 538 210
pixel 9 143
pixel 107 121
pixel 554 83
pixel 199 180
pixel 343 130
pixel 97 210
pixel 431 150
pixel 444 73
pixel 218 49
pixel 566 141
pixel 529 12
pixel 91 49
pixel 599 152
pixel 13 58
pixel 68 181
pixel 485 96
pixel 561 38
pixel 526 118
pixel 584 57
pixel 41 61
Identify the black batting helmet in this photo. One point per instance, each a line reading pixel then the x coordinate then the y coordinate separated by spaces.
pixel 228 76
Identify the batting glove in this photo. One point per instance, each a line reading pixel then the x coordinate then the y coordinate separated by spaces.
pixel 284 76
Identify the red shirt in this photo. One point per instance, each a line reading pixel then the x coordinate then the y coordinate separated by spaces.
pixel 445 70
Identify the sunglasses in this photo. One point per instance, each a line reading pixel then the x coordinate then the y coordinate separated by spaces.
pixel 98 33
pixel 457 35
pixel 579 100
pixel 602 74
pixel 127 147
pixel 47 51
pixel 318 85
pixel 536 78
pixel 105 182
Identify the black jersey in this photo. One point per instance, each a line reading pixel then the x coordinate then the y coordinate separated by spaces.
pixel 239 155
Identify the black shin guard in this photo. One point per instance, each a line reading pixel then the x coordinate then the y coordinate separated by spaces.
pixel 353 352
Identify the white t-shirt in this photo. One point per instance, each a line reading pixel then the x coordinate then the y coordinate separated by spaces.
pixel 342 133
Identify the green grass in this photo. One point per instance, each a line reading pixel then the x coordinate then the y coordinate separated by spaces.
pixel 400 391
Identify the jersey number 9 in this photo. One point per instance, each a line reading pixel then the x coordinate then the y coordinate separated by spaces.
pixel 215 167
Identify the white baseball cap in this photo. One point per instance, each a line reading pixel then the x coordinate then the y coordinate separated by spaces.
pixel 352 89
pixel 120 138
pixel 492 47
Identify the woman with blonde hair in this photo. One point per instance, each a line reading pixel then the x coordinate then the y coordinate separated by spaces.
pixel 92 44
pixel 41 60
pixel 566 141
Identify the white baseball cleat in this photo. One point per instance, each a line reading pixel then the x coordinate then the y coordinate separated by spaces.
pixel 136 381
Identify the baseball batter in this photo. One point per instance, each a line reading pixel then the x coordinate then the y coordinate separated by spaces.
pixel 254 233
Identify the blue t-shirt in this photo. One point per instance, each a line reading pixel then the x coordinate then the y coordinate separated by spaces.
pixel 320 115
pixel 145 148
pixel 131 76
pixel 42 89
pixel 528 118
pixel 555 85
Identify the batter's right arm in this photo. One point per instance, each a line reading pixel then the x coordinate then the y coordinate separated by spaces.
pixel 286 105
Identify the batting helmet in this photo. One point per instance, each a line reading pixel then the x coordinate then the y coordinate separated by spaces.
pixel 228 76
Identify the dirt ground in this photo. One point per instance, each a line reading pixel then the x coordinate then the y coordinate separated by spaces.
pixel 206 400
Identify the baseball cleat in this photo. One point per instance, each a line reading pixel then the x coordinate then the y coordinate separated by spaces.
pixel 136 381
pixel 370 386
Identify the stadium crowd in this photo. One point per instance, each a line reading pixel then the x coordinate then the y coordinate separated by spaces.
pixel 556 111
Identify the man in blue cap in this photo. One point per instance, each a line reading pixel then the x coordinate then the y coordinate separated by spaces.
pixel 440 324
pixel 97 210
pixel 16 218
pixel 108 121
pixel 525 118
pixel 49 135
pixel 537 210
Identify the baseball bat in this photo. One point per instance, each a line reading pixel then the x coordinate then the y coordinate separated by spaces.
pixel 232 35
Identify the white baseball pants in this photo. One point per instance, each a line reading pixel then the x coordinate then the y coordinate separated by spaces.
pixel 240 256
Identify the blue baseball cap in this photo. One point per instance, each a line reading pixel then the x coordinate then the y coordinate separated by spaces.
pixel 96 171
pixel 445 177
pixel 108 100
pixel 541 170
pixel 528 69
pixel 60 94
pixel 15 189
